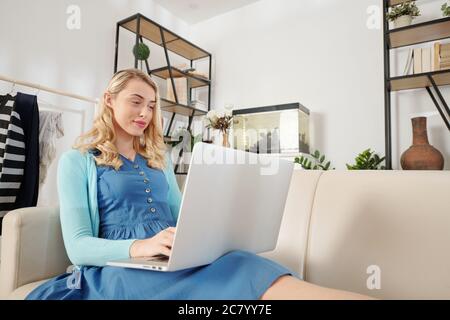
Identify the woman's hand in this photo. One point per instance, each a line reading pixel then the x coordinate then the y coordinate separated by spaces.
pixel 161 243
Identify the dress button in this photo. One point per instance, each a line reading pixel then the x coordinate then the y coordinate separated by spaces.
pixel 152 210
pixel 141 173
pixel 136 166
pixel 145 180
pixel 149 200
pixel 147 190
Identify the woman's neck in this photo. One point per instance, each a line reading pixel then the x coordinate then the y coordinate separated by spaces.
pixel 124 143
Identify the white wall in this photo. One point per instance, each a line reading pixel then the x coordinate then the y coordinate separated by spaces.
pixel 319 53
pixel 36 46
pixel 323 55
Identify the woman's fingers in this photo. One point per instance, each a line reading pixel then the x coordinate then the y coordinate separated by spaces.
pixel 167 242
pixel 165 251
pixel 170 229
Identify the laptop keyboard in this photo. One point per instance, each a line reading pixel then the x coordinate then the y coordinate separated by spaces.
pixel 159 257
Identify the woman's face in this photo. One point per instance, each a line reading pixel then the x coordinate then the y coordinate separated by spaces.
pixel 133 107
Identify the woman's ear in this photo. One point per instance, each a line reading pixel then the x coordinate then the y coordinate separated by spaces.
pixel 108 99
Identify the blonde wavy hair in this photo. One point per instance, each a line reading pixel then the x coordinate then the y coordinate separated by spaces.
pixel 102 135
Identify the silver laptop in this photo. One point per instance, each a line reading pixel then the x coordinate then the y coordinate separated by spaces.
pixel 232 200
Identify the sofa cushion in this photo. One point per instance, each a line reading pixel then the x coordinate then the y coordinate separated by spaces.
pixel 388 228
pixel 22 292
pixel 292 240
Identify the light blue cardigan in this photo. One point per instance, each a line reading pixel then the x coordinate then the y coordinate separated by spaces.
pixel 77 190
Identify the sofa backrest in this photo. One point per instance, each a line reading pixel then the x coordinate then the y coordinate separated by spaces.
pixel 380 233
pixel 32 247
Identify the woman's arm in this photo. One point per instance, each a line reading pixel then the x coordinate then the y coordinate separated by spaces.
pixel 174 196
pixel 81 246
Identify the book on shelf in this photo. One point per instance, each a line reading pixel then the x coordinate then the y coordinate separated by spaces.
pixel 445 50
pixel 409 63
pixel 426 60
pixel 181 87
pixel 444 56
pixel 417 60
pixel 436 56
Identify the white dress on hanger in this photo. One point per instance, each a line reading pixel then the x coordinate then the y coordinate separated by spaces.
pixel 50 128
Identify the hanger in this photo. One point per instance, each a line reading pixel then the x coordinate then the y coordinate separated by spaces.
pixel 46 102
pixel 12 88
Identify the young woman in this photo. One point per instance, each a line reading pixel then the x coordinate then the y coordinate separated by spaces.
pixel 119 198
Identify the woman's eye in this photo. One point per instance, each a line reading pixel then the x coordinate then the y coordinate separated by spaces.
pixel 135 102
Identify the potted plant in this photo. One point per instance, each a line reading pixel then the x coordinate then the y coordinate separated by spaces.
pixel 403 14
pixel 220 120
pixel 141 52
pixel 317 163
pixel 188 143
pixel 185 140
pixel 367 160
pixel 446 9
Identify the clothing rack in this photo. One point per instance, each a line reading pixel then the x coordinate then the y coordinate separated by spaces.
pixel 48 89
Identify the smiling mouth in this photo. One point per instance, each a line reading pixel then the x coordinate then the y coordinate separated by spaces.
pixel 140 125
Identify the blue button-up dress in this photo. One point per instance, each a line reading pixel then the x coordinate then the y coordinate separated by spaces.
pixel 131 206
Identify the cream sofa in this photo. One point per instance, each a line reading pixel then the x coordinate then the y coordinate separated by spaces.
pixel 380 233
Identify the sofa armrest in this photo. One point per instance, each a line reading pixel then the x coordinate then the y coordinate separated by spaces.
pixel 32 247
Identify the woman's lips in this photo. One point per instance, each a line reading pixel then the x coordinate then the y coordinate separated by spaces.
pixel 140 124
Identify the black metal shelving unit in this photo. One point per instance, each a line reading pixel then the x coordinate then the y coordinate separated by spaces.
pixel 431 81
pixel 145 28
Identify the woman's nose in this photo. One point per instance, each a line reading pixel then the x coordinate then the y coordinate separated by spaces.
pixel 144 112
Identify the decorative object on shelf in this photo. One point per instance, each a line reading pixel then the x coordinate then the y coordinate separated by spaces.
pixel 198 74
pixel 421 155
pixel 446 9
pixel 141 52
pixel 318 160
pixel 181 88
pixel 279 129
pixel 220 120
pixel 197 104
pixel 403 14
pixel 367 160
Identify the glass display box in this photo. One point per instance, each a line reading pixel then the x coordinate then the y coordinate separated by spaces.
pixel 279 129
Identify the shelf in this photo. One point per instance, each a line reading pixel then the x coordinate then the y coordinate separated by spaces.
pixel 419 33
pixel 195 82
pixel 150 30
pixel 416 81
pixel 172 106
pixel 169 139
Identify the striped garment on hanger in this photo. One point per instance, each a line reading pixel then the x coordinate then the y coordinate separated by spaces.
pixel 12 154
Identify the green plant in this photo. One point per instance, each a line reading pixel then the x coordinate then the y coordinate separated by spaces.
pixel 141 51
pixel 445 9
pixel 318 160
pixel 186 133
pixel 367 160
pixel 404 9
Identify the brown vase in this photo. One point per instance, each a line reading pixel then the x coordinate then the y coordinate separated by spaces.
pixel 225 141
pixel 421 155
